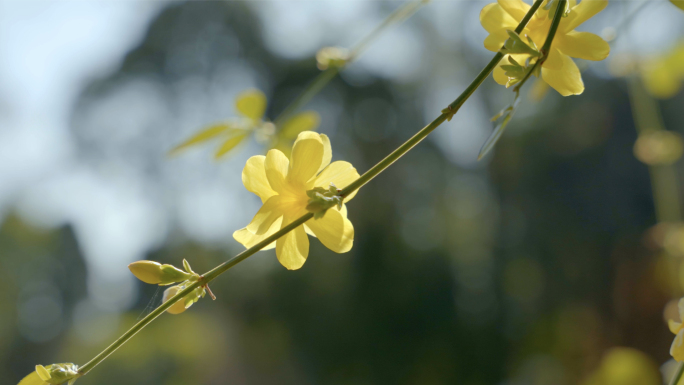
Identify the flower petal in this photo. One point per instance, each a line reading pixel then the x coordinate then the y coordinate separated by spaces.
pixel 554 61
pixel 276 165
pixel 493 18
pixel 267 214
pixel 249 239
pixel 496 39
pixel 499 73
pixel 327 152
pixel 582 12
pixel 307 157
pixel 677 348
pixel 341 173
pixel 293 248
pixel 584 45
pixel 251 103
pixel 254 178
pixel 674 326
pixel 516 8
pixel 334 230
pixel 567 80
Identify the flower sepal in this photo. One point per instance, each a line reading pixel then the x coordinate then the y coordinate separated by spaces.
pixel 320 200
pixel 55 374
pixel 515 45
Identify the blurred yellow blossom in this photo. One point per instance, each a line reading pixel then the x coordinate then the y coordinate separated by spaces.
pixel 678 3
pixel 282 184
pixel 659 147
pixel 625 366
pixel 663 74
pixel 251 105
pixel 559 70
pixel 677 327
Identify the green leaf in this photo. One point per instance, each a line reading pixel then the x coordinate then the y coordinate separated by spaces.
pixel 496 134
pixel 32 379
pixel 231 143
pixel 207 134
pixel 251 103
pixel 515 45
pixel 304 121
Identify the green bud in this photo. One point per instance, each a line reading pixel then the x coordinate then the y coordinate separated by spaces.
pixel 335 57
pixel 183 303
pixel 56 374
pixel 157 274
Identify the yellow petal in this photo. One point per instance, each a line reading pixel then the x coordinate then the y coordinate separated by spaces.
pixel 678 3
pixel 276 165
pixel 202 136
pixel 674 326
pixel 516 8
pixel 341 173
pixel 177 307
pixel 304 121
pixel 334 230
pixel 249 239
pixel 582 12
pixel 496 39
pixel 327 152
pixel 677 348
pixel 307 157
pixel 251 103
pixel 231 143
pixel 567 80
pixel 584 45
pixel 267 215
pixel 254 178
pixel 494 18
pixel 554 61
pixel 293 248
pixel 499 73
pixel 32 379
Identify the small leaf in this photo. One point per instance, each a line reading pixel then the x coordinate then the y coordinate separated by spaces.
pixel 251 103
pixel 515 45
pixel 304 121
pixel 496 134
pixel 230 144
pixel 32 379
pixel 202 136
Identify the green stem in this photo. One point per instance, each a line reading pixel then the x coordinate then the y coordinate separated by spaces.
pixel 365 178
pixel 399 15
pixel 208 277
pixel 647 118
pixel 678 374
pixel 546 48
pixel 456 104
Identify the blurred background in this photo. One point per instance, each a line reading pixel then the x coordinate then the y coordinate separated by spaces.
pixel 528 267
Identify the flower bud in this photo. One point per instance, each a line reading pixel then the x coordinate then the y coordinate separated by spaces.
pixel 185 302
pixel 58 373
pixel 157 274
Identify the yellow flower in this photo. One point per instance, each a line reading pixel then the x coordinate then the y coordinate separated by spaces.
pixel 251 105
pixel 625 366
pixel 282 183
pixel 663 74
pixel 677 348
pixel 559 70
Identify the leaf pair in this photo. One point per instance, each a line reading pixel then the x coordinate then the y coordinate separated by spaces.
pixel 251 105
pixel 505 115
